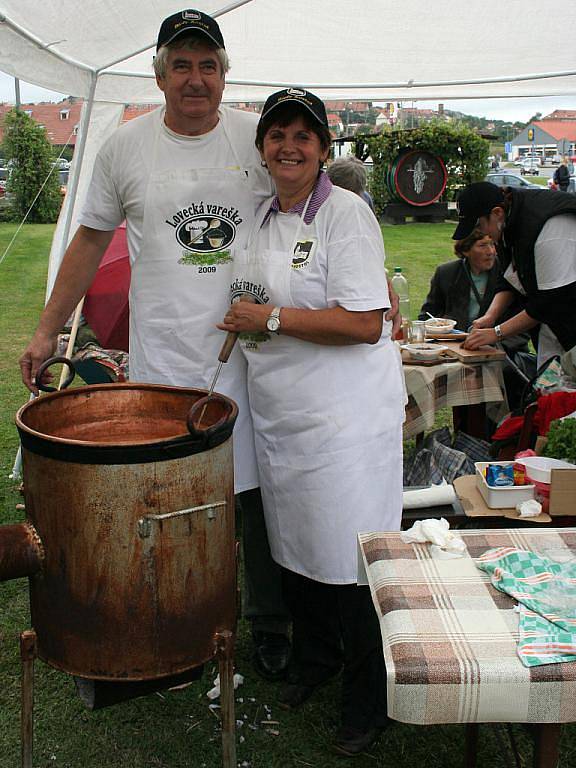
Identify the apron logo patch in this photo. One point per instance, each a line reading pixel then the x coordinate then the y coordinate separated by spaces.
pixel 303 253
pixel 257 292
pixel 206 233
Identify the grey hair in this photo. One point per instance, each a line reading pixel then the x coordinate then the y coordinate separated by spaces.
pixel 188 43
pixel 349 173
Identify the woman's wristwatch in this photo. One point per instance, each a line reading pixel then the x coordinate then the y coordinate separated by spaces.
pixel 273 322
pixel 498 332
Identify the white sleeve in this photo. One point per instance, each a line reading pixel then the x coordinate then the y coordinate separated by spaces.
pixel 356 277
pixel 555 253
pixel 102 208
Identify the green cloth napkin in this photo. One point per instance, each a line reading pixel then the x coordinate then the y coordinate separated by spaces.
pixel 546 591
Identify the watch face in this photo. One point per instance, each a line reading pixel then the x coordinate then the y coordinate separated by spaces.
pixel 273 323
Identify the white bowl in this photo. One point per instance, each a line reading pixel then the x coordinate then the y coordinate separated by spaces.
pixel 437 328
pixel 539 468
pixel 424 351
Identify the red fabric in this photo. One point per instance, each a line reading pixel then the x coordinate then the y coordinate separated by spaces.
pixel 106 304
pixel 510 426
pixel 551 407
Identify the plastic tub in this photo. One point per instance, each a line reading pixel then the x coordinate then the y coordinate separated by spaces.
pixel 505 497
pixel 539 468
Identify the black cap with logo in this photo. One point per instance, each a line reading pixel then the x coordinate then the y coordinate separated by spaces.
pixel 298 96
pixel 474 201
pixel 185 22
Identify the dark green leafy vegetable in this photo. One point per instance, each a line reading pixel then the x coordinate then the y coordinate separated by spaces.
pixel 561 443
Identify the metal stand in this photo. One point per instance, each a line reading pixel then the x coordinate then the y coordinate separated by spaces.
pixel 471 745
pixel 27 655
pixel 225 656
pixel 546 745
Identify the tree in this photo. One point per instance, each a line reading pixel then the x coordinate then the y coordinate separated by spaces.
pixel 29 154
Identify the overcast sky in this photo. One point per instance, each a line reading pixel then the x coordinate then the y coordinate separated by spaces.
pixel 498 109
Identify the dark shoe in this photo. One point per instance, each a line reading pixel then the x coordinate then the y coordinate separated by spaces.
pixel 271 654
pixel 293 695
pixel 350 742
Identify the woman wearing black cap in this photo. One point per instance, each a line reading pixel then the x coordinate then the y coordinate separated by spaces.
pixel 326 394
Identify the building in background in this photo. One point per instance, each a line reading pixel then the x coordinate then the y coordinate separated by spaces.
pixel 550 138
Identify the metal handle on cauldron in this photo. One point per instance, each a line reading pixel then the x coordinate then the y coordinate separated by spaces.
pixel 145 523
pixel 44 367
pixel 197 410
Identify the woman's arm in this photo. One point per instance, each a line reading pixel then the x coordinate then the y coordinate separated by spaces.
pixel 517 324
pixel 335 326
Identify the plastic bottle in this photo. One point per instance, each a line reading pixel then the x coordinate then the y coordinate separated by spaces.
pixel 400 286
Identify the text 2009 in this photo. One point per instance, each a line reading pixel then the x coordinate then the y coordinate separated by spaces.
pixel 206 269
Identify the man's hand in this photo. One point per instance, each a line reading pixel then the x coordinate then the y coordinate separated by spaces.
pixel 394 311
pixel 479 337
pixel 40 349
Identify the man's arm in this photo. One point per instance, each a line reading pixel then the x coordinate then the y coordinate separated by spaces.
pixel 75 276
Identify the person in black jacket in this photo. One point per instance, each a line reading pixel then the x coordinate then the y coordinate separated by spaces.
pixel 535 231
pixel 463 290
pixel 562 176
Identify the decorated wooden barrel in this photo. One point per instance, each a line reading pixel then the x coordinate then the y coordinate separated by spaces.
pixel 416 177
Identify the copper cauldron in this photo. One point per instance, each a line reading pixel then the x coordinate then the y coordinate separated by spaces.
pixel 129 539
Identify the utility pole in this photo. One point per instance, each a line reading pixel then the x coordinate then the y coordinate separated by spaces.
pixel 17 92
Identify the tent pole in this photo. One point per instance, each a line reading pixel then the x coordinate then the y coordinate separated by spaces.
pixel 78 157
pixel 71 202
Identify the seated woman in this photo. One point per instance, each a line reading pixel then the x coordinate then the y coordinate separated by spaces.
pixel 327 398
pixel 463 290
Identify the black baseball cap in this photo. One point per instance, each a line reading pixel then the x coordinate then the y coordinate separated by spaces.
pixel 187 21
pixel 297 96
pixel 474 201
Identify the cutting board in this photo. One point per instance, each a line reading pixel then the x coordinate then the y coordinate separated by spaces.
pixel 482 355
pixel 443 357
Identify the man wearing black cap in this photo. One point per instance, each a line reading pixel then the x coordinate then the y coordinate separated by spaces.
pixel 535 231
pixel 187 178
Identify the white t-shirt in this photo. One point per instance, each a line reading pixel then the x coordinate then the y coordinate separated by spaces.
pixel 123 166
pixel 354 278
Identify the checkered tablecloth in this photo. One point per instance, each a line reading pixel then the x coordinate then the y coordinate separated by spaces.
pixel 450 638
pixel 448 384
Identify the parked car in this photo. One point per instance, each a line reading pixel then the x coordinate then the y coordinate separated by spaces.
pixel 503 179
pixel 530 165
pixel 61 164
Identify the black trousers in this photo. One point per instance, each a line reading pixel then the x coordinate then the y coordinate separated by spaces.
pixel 262 599
pixel 335 628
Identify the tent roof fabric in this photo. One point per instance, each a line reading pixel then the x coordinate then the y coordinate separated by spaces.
pixel 373 50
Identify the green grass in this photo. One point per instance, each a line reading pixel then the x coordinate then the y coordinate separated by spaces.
pixel 177 729
pixel 418 249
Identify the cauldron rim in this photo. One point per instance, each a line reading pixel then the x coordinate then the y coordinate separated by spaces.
pixel 172 446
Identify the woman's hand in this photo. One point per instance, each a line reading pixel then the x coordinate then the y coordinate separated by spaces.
pixel 479 337
pixel 246 317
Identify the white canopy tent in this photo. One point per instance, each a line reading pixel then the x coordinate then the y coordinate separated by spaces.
pixel 384 50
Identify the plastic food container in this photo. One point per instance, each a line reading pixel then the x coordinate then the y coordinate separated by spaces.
pixel 439 327
pixel 505 497
pixel 539 468
pixel 424 351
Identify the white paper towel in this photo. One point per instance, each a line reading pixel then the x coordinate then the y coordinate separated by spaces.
pixel 435 496
pixel 438 533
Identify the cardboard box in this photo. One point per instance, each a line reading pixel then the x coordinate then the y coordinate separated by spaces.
pixel 562 488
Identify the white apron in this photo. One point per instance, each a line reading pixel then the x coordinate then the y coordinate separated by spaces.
pixel 328 431
pixel 180 287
